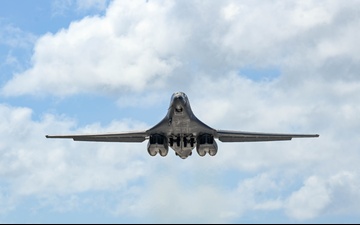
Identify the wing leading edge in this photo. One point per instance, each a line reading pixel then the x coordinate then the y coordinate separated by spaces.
pixel 222 135
pixel 136 136
pixel 241 136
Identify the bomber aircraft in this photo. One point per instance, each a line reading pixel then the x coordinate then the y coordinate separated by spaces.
pixel 182 131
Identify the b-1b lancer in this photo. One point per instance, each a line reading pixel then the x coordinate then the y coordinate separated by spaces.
pixel 182 131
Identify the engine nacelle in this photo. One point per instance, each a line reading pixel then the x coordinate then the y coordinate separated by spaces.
pixel 158 144
pixel 206 144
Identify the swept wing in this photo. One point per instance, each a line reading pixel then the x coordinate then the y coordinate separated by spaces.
pixel 135 136
pixel 242 136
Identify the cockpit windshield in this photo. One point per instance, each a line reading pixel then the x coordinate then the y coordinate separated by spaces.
pixel 180 96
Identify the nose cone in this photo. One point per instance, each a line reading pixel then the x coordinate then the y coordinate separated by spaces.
pixel 178 101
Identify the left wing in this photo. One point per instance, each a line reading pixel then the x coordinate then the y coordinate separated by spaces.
pixel 135 136
pixel 241 136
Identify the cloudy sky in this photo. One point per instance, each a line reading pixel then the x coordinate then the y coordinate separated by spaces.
pixel 83 66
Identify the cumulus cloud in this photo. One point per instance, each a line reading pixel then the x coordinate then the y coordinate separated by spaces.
pixel 103 54
pixel 309 200
pixel 141 46
pixel 143 49
pixel 325 196
pixel 36 165
pixel 264 176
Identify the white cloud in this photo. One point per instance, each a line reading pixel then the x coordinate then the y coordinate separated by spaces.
pixel 326 196
pixel 102 55
pixel 36 165
pixel 57 172
pixel 310 200
pixel 182 202
pixel 199 47
pixel 140 46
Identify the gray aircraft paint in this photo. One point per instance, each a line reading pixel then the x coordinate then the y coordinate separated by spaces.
pixel 182 131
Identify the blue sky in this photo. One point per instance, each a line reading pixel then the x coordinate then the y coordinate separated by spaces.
pixel 91 66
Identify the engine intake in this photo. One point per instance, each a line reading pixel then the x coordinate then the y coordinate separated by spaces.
pixel 158 144
pixel 206 144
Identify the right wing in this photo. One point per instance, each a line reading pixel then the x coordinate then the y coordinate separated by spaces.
pixel 241 136
pixel 134 136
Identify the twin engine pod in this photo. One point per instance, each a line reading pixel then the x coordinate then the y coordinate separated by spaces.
pixel 158 144
pixel 205 144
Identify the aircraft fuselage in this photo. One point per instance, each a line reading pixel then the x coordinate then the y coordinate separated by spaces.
pixel 182 131
pixel 180 126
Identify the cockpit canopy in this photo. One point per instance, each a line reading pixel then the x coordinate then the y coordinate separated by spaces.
pixel 179 96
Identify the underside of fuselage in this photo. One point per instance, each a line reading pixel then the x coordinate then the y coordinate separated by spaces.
pixel 182 145
pixel 181 131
